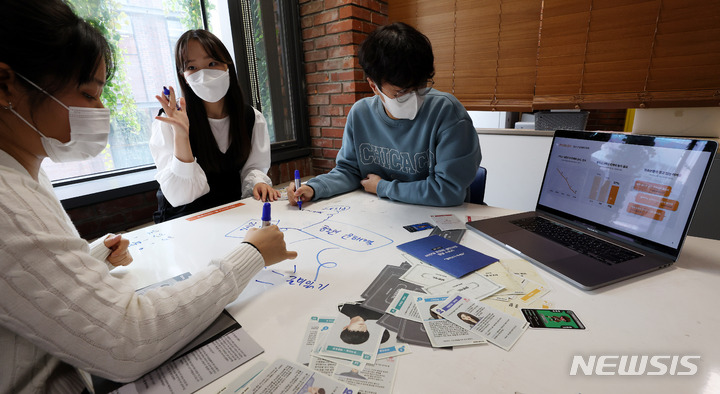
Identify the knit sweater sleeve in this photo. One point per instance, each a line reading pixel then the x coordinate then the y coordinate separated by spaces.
pixel 62 300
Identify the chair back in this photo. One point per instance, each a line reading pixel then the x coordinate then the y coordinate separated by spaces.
pixel 476 191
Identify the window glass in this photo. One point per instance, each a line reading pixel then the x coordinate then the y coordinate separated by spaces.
pixel 218 18
pixel 219 21
pixel 262 80
pixel 143 34
pixel 274 74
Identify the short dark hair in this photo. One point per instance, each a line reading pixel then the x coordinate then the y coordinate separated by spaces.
pixel 397 54
pixel 44 41
pixel 385 337
pixel 354 337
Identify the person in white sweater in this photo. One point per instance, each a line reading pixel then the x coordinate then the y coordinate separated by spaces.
pixel 210 148
pixel 60 308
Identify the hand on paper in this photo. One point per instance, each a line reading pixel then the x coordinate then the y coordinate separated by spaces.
pixel 119 247
pixel 270 241
pixel 264 192
pixel 370 183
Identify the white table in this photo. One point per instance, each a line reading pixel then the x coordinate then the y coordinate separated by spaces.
pixel 669 312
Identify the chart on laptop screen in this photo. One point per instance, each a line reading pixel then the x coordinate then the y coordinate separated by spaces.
pixel 638 189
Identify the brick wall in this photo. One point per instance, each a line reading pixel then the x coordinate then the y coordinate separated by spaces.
pixel 283 173
pixel 332 30
pixel 113 216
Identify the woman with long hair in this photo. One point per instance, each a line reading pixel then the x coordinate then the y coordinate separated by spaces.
pixel 210 147
pixel 60 308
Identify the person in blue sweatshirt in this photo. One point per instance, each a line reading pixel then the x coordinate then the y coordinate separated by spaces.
pixel 408 142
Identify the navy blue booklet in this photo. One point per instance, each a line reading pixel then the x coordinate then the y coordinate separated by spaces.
pixel 446 255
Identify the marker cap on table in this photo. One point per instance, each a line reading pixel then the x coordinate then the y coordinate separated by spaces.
pixel 266 215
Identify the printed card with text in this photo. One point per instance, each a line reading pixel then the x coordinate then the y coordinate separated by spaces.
pixel 442 332
pixel 448 222
pixel 497 327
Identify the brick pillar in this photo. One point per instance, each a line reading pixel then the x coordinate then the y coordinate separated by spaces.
pixel 332 30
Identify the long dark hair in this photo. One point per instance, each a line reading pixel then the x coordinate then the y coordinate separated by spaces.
pixel 47 43
pixel 204 145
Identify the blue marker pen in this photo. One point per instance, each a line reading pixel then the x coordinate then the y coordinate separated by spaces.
pixel 297 186
pixel 266 215
pixel 166 93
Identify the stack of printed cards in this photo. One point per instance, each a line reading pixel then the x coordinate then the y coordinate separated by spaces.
pixel 415 303
pixel 508 285
pixel 352 348
pixel 457 321
pixel 409 293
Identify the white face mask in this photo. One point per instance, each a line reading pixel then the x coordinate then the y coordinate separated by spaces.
pixel 405 110
pixel 89 131
pixel 209 84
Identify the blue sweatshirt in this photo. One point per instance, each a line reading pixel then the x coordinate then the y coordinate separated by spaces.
pixel 430 160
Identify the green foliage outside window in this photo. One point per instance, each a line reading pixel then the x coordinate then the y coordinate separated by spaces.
pixel 262 68
pixel 190 11
pixel 130 125
pixel 106 16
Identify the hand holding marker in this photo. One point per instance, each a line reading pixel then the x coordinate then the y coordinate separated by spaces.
pixel 297 186
pixel 166 93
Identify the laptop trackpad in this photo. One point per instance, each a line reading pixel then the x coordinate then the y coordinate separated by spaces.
pixel 535 246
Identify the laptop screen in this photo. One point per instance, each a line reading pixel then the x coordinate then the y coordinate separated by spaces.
pixel 627 185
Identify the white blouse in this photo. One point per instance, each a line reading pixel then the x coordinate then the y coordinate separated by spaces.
pixel 183 183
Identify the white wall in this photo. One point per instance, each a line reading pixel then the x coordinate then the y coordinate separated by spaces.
pixel 681 122
pixel 515 166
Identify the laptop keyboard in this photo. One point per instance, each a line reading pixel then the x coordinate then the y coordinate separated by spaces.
pixel 582 243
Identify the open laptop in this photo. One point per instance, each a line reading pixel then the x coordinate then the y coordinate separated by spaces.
pixel 622 202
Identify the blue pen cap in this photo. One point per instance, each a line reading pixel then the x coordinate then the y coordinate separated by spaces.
pixel 166 91
pixel 266 212
pixel 297 174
